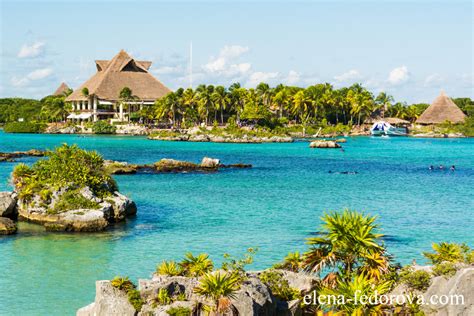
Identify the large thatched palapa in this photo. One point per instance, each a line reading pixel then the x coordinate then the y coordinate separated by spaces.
pixel 63 89
pixel 441 110
pixel 102 97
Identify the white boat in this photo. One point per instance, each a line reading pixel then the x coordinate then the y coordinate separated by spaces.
pixel 382 128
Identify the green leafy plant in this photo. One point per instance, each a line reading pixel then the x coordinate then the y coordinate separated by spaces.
pixel 72 200
pixel 445 251
pixel 135 299
pixel 122 283
pixel 196 265
pixel 24 127
pixel 416 280
pixel 179 311
pixel 162 297
pixel 170 268
pixel 445 268
pixel 102 127
pixel 292 262
pixel 220 288
pixel 237 265
pixel 279 286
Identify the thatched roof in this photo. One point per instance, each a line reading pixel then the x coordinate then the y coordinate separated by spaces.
pixel 390 120
pixel 119 72
pixel 441 110
pixel 62 89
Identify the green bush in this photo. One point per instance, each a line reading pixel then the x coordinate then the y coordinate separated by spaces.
pixel 72 200
pixel 279 286
pixel 24 127
pixel 102 127
pixel 122 283
pixel 445 268
pixel 179 311
pixel 416 280
pixel 66 166
pixel 135 299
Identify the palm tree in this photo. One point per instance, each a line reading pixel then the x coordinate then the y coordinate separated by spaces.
pixel 220 288
pixel 301 108
pixel 292 262
pixel 196 266
pixel 445 251
pixel 126 96
pixel 281 99
pixel 220 99
pixel 384 101
pixel 347 241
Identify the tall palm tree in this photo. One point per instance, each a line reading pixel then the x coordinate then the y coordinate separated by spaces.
pixel 126 96
pixel 281 99
pixel 345 242
pixel 301 108
pixel 220 288
pixel 221 100
pixel 383 101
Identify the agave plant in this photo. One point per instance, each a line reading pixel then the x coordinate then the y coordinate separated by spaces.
pixel 196 265
pixel 220 288
pixel 446 251
pixel 346 296
pixel 162 297
pixel 122 283
pixel 348 240
pixel 292 262
pixel 170 268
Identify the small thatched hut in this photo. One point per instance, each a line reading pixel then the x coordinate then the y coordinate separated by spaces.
pixel 441 110
pixel 63 89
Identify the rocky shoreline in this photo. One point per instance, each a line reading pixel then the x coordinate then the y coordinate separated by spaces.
pixel 255 297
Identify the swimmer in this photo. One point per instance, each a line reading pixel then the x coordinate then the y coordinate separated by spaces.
pixel 431 168
pixel 441 167
pixel 453 168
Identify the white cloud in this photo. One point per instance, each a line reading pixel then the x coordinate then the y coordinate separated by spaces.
pixel 257 77
pixel 233 51
pixel 39 74
pixel 224 64
pixel 348 76
pixel 398 75
pixel 30 51
pixel 169 70
pixel 433 80
pixel 292 78
pixel 32 76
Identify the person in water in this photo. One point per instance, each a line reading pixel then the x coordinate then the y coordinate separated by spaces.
pixel 431 168
pixel 453 168
pixel 441 167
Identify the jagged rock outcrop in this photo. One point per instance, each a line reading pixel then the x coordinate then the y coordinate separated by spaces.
pixel 108 301
pixel 12 156
pixel 8 204
pixel 100 214
pixel 7 226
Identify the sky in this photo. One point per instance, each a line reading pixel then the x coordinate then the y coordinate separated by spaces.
pixel 410 49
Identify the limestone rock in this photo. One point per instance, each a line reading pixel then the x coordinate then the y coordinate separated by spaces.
pixel 210 163
pixel 254 298
pixel 7 204
pixel 324 144
pixel 7 226
pixel 109 301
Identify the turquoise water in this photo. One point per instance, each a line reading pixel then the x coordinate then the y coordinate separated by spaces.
pixel 273 206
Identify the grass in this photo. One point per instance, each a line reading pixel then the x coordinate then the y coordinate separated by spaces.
pixel 72 200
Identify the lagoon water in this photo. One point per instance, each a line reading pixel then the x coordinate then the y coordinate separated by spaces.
pixel 273 206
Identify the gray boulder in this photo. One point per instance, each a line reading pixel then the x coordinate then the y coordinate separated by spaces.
pixel 210 163
pixel 7 226
pixel 109 301
pixel 7 204
pixel 122 206
pixel 324 144
pixel 254 298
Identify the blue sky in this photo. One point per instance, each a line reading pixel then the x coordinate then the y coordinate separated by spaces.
pixel 412 49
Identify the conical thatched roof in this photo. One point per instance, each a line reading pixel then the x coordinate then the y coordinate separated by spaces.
pixel 441 110
pixel 62 89
pixel 119 72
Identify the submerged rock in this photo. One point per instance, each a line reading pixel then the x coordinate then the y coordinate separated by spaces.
pixel 11 156
pixel 210 163
pixel 7 226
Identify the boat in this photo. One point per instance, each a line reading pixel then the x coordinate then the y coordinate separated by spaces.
pixel 382 128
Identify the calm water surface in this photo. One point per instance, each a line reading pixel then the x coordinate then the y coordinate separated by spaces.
pixel 273 206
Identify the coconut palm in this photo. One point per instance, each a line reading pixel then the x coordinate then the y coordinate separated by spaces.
pixel 351 290
pixel 383 101
pixel 196 265
pixel 221 100
pixel 126 97
pixel 220 288
pixel 345 242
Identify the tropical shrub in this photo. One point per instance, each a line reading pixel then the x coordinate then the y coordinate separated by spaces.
pixel 179 311
pixel 445 251
pixel 162 297
pixel 445 268
pixel 279 286
pixel 237 265
pixel 416 280
pixel 102 127
pixel 135 299
pixel 220 288
pixel 292 262
pixel 24 127
pixel 122 283
pixel 169 268
pixel 72 200
pixel 347 242
pixel 196 266
pixel 65 167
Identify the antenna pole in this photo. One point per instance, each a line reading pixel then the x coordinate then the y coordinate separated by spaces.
pixel 191 65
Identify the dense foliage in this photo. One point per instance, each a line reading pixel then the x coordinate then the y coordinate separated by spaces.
pixel 102 127
pixel 24 127
pixel 65 167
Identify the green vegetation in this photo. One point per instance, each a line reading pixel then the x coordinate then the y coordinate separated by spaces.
pixel 122 283
pixel 133 295
pixel 220 288
pixel 445 268
pixel 416 280
pixel 179 311
pixel 169 268
pixel 72 200
pixel 292 262
pixel 24 127
pixel 67 167
pixel 279 286
pixel 449 252
pixel 196 266
pixel 14 109
pixel 135 299
pixel 102 127
pixel 162 297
